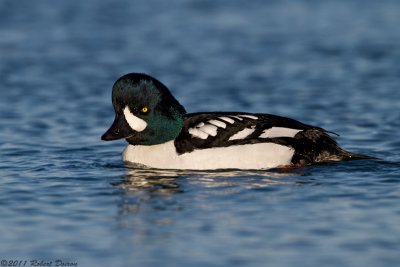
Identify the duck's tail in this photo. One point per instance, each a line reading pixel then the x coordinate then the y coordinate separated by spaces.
pixel 316 146
pixel 346 155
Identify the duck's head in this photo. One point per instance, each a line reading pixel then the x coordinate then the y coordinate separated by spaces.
pixel 146 113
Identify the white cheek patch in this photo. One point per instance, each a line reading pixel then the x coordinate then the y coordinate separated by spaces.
pixel 134 122
pixel 279 132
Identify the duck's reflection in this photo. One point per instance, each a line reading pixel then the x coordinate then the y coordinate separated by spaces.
pixel 152 201
pixel 139 178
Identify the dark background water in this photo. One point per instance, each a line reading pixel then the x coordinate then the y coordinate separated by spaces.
pixel 66 195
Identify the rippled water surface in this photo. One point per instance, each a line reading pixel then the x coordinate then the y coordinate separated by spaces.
pixel 64 194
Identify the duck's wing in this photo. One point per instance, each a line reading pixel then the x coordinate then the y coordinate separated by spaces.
pixel 222 129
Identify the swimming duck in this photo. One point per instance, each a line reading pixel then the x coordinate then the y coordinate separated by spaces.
pixel 162 135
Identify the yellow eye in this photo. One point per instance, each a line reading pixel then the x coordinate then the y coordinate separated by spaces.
pixel 144 109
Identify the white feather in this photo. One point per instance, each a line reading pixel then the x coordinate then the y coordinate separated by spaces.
pixel 252 156
pixel 218 123
pixel 236 117
pixel 249 116
pixel 202 130
pixel 279 132
pixel 197 133
pixel 209 129
pixel 134 122
pixel 227 120
pixel 242 134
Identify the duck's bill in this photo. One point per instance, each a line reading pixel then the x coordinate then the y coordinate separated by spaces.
pixel 118 130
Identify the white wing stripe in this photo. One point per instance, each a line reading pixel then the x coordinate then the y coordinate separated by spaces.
pixel 209 129
pixel 236 117
pixel 197 133
pixel 227 120
pixel 203 131
pixel 249 116
pixel 279 132
pixel 218 123
pixel 242 134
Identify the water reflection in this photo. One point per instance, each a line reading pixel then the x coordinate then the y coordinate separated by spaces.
pixel 139 178
pixel 142 179
pixel 153 201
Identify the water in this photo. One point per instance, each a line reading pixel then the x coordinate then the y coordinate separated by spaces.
pixel 65 195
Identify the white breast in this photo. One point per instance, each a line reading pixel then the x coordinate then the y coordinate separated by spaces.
pixel 252 156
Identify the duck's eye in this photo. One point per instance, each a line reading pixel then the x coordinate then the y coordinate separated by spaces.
pixel 144 109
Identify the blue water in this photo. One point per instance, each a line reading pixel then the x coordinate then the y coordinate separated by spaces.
pixel 66 195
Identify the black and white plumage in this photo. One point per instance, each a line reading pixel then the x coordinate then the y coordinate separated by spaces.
pixel 162 135
pixel 222 129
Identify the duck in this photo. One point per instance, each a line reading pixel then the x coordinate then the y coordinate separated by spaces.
pixel 162 135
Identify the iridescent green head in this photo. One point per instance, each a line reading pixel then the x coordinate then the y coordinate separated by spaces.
pixel 146 113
